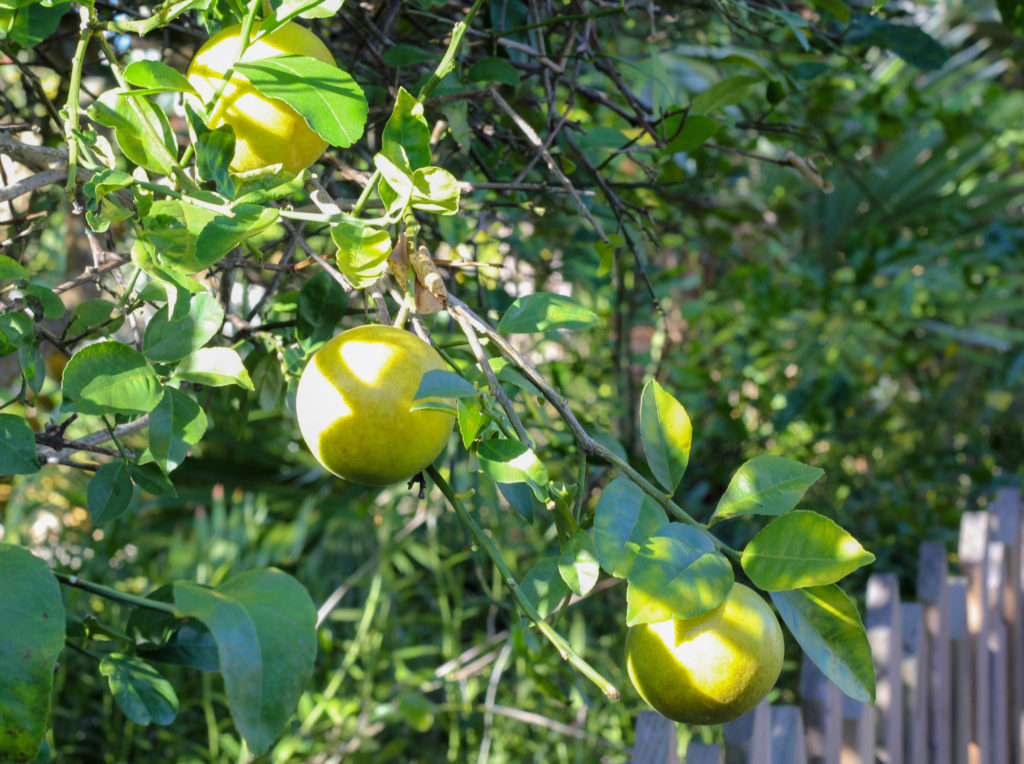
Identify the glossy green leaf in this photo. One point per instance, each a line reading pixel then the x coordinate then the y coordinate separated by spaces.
pixel 826 624
pixel 166 341
pixel 677 573
pixel 264 623
pixel 151 479
pixel 766 485
pixel 578 563
pixel 543 586
pixel 43 301
pixel 727 92
pixel 911 43
pixel 624 519
pixel 472 419
pixel 175 426
pixel 192 238
pixel 801 549
pixel 91 317
pixel 666 434
pixel 363 252
pixel 321 304
pixel 32 23
pixel 406 137
pixel 544 312
pixel 17 446
pixel 494 70
pixel 31 641
pixel 435 190
pixel 140 690
pixel 109 493
pixel 436 390
pixel 151 143
pixel 407 55
pixel 11 269
pixel 327 97
pixel 215 367
pixel 509 461
pixel 691 134
pixel 110 378
pixel 156 76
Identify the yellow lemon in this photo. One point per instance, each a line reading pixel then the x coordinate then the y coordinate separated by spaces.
pixel 711 668
pixel 267 131
pixel 353 403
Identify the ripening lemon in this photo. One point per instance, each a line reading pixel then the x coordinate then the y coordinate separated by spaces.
pixel 267 131
pixel 711 668
pixel 353 403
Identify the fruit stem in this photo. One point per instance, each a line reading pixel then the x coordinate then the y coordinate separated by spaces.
pixel 485 541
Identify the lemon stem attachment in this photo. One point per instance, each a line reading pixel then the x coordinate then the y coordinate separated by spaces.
pixel 485 541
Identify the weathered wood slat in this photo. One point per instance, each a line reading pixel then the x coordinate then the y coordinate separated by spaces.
pixel 933 593
pixel 823 717
pixel 1006 510
pixel 915 684
pixel 882 621
pixel 748 739
pixel 962 708
pixel 972 546
pixel 787 735
pixel 704 753
pixel 656 740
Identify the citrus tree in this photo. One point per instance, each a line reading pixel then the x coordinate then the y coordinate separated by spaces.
pixel 298 219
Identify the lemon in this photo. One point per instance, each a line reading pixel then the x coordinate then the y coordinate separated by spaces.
pixel 353 403
pixel 267 131
pixel 712 668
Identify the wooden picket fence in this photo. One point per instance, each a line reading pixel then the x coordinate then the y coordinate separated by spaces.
pixel 949 669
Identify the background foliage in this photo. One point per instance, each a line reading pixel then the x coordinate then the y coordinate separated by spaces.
pixel 802 220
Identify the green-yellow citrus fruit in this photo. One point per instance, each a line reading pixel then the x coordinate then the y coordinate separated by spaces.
pixel 711 668
pixel 353 403
pixel 267 131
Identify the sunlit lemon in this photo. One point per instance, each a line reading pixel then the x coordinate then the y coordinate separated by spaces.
pixel 712 668
pixel 267 131
pixel 353 405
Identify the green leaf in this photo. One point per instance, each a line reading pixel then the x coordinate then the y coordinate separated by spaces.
pixel 192 238
pixel 826 624
pixel 406 137
pixel 200 324
pixel 801 549
pixel 215 367
pixel 472 419
pixel 544 312
pixel 578 563
pixel 166 341
pixel 913 45
pixel 691 134
pixel 837 8
pixel 110 492
pixel 730 91
pixel 154 146
pixel 395 187
pixel 43 301
pixel 363 252
pixel 156 77
pixel 264 623
pixel 407 55
pixel 33 23
pixel 89 315
pixel 677 573
pixel 437 385
pixel 494 70
pixel 666 434
pixel 31 640
pixel 321 304
pixel 509 461
pixel 543 586
pixel 1012 14
pixel 17 446
pixel 624 519
pixel 151 479
pixel 435 190
pixel 141 692
pixel 11 269
pixel 327 97
pixel 191 645
pixel 766 485
pixel 110 378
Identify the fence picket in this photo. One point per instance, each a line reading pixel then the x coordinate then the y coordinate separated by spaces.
pixel 787 735
pixel 656 740
pixel 882 621
pixel 973 542
pixel 960 665
pixel 704 753
pixel 933 592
